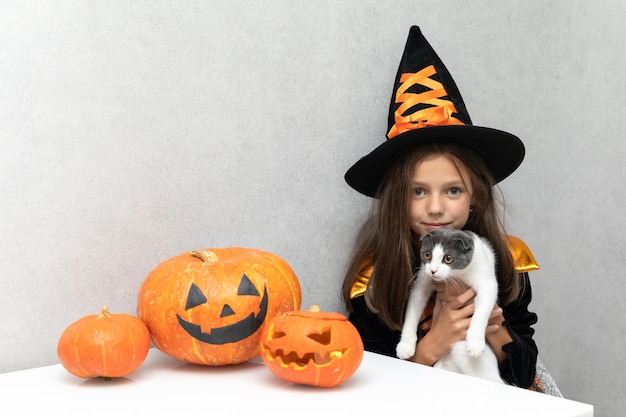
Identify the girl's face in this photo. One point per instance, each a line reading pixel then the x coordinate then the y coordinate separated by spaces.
pixel 441 195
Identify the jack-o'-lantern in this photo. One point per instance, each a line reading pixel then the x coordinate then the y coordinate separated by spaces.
pixel 312 347
pixel 210 306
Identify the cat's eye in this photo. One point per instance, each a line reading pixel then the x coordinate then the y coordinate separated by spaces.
pixel 427 255
pixel 448 259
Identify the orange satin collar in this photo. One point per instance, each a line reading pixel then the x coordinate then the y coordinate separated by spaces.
pixel 522 258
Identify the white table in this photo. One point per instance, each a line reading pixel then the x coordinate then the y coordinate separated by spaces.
pixel 382 386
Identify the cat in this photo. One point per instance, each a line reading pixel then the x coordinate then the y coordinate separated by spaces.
pixel 462 255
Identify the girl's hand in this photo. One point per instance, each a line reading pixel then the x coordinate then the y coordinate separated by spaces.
pixel 447 293
pixel 453 315
pixel 451 319
pixel 497 333
pixel 496 320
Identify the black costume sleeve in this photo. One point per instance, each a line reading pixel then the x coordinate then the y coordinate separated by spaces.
pixel 517 369
pixel 376 336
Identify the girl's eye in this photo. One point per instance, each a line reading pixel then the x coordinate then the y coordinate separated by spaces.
pixel 418 192
pixel 427 255
pixel 448 259
pixel 454 191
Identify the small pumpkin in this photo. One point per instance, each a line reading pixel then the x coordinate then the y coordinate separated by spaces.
pixel 312 347
pixel 209 306
pixel 104 345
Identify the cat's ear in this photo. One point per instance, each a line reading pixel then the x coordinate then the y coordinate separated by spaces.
pixel 466 245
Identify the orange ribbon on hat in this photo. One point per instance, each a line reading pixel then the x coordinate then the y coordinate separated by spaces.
pixel 439 113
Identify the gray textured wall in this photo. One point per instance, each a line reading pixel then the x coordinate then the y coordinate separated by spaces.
pixel 133 131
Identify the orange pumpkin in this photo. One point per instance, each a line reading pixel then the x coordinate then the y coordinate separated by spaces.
pixel 104 345
pixel 312 347
pixel 210 306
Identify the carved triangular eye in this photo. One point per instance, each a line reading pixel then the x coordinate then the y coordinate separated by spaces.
pixel 246 287
pixel 195 297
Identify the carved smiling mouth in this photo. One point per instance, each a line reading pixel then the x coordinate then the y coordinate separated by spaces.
pixel 228 334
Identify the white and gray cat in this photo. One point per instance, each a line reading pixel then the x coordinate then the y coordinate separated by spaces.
pixel 462 255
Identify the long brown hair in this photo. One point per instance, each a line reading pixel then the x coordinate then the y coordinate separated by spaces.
pixel 386 240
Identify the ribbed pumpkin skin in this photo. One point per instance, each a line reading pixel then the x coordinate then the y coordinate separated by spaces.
pixel 315 348
pixel 215 276
pixel 104 345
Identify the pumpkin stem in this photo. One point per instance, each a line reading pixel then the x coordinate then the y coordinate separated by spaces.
pixel 104 312
pixel 204 255
pixel 315 308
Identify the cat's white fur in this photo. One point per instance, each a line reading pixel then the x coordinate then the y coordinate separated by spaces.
pixel 473 356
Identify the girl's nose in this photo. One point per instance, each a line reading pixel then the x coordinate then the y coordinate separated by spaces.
pixel 435 206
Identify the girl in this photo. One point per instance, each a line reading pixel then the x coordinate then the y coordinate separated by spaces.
pixel 435 170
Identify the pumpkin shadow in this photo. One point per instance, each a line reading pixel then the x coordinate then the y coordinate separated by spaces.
pixel 194 368
pixel 276 382
pixel 107 382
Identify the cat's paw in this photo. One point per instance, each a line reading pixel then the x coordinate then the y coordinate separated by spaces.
pixel 475 346
pixel 405 349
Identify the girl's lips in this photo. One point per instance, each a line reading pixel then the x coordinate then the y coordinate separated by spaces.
pixel 433 226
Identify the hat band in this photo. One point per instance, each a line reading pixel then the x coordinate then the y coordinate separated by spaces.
pixel 439 113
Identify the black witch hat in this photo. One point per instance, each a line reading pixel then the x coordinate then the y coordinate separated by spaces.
pixel 426 106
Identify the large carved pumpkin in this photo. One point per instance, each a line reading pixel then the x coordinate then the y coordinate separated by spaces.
pixel 312 347
pixel 210 306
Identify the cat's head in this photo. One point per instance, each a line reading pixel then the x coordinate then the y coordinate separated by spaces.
pixel 444 251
